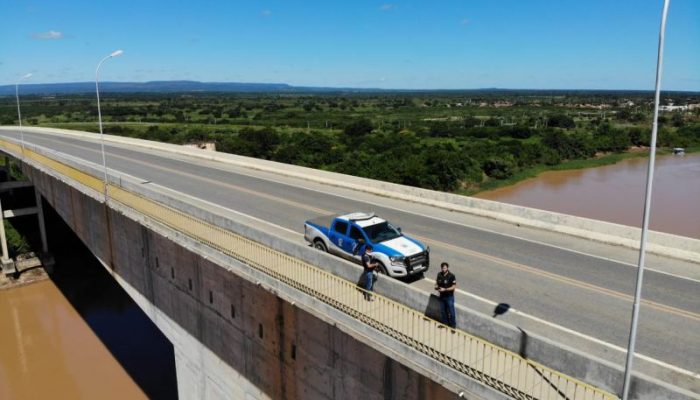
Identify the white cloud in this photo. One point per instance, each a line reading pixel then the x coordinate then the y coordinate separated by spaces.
pixel 50 35
pixel 266 13
pixel 387 7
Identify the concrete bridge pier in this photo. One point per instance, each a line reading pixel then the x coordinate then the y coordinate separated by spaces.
pixel 10 266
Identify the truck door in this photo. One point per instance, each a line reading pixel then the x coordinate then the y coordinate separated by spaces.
pixel 338 236
pixel 355 236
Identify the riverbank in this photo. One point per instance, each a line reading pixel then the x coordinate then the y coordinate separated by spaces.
pixel 616 193
pixel 530 173
pixel 29 271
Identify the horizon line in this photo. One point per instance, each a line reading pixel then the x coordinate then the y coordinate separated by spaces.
pixel 341 88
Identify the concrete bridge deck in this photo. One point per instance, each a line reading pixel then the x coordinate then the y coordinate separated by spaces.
pixel 544 250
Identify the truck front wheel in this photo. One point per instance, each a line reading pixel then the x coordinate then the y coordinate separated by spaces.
pixel 381 269
pixel 319 245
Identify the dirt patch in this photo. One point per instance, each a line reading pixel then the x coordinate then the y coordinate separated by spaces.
pixel 29 270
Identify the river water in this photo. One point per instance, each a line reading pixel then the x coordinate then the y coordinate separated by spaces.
pixel 615 193
pixel 78 335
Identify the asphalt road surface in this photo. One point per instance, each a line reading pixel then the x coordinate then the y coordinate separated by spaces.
pixel 574 291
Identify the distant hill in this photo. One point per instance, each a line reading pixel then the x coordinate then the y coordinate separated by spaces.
pixel 164 87
pixel 240 87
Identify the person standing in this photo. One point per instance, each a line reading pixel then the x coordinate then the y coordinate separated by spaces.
pixel 445 284
pixel 368 265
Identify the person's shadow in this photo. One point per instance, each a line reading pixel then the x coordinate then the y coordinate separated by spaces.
pixel 500 309
pixel 432 309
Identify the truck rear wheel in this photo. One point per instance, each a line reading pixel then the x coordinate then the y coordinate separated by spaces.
pixel 319 245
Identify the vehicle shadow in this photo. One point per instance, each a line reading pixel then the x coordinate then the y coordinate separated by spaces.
pixel 412 278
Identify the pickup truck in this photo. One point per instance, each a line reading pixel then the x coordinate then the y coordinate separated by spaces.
pixel 345 236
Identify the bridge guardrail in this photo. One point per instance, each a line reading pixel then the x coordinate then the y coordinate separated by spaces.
pixel 496 367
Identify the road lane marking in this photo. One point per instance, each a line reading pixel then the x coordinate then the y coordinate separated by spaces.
pixel 559 278
pixel 201 178
pixel 498 260
pixel 575 333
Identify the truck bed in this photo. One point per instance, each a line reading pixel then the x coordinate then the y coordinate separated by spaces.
pixel 324 220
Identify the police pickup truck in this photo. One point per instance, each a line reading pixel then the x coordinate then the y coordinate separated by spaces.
pixel 345 236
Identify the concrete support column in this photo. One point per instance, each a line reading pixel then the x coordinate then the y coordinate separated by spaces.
pixel 5 255
pixel 7 264
pixel 6 168
pixel 42 226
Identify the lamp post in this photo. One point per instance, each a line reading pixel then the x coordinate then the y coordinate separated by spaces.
pixel 647 205
pixel 19 113
pixel 99 115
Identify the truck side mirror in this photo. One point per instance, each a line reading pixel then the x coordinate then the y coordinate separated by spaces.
pixel 399 229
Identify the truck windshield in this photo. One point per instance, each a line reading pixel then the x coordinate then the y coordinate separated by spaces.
pixel 381 232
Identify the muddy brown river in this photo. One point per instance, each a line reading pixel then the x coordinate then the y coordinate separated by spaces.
pixel 615 193
pixel 49 352
pixel 78 335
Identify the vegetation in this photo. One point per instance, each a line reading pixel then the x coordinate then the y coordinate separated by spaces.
pixel 451 141
pixel 16 242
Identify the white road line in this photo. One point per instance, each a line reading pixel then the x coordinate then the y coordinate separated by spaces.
pixel 219 206
pixel 575 333
pixel 230 170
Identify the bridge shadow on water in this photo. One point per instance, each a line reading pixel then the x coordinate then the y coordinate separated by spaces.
pixel 134 341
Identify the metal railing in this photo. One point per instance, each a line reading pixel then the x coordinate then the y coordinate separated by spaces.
pixel 496 367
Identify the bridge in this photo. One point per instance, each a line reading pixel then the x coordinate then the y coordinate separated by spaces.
pixel 210 246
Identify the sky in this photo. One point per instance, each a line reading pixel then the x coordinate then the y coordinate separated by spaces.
pixel 450 44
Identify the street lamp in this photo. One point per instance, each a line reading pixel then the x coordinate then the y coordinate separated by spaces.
pixel 647 206
pixel 19 113
pixel 99 115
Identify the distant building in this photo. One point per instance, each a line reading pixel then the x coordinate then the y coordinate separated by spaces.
pixel 502 104
pixel 593 106
pixel 673 107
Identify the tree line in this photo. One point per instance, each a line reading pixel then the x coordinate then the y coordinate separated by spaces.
pixel 444 141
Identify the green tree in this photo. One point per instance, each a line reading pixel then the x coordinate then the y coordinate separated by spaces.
pixel 499 167
pixel 257 143
pixel 440 129
pixel 358 128
pixel 677 120
pixel 561 121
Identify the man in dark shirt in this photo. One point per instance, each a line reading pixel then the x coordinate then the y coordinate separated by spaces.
pixel 445 284
pixel 369 265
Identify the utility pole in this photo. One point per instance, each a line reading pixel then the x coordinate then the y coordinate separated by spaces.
pixel 647 206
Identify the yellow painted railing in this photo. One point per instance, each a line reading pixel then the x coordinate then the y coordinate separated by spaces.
pixel 498 368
